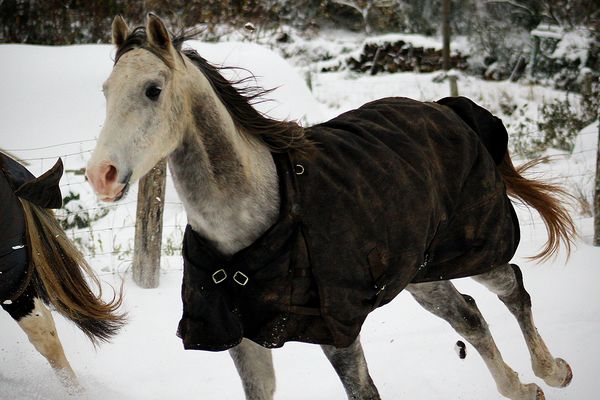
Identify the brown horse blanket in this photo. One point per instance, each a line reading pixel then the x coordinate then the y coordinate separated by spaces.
pixel 16 181
pixel 396 191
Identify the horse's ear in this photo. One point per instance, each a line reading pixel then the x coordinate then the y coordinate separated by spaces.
pixel 158 35
pixel 120 31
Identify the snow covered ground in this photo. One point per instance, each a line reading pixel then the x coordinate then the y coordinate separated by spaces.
pixel 51 105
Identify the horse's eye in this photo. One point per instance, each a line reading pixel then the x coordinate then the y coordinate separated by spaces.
pixel 152 92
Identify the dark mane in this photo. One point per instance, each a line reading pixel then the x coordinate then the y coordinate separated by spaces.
pixel 237 96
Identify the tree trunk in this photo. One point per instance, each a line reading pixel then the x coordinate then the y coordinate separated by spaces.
pixel 597 192
pixel 518 69
pixel 365 11
pixel 148 227
pixel 533 58
pixel 446 34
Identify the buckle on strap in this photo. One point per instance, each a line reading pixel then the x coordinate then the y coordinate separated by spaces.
pixel 219 276
pixel 240 278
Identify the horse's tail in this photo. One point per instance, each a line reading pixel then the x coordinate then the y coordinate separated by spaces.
pixel 60 276
pixel 546 198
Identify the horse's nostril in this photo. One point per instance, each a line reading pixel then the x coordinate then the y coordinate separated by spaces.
pixel 111 174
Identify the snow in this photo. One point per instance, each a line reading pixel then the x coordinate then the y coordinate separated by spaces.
pixel 548 31
pixel 587 139
pixel 271 71
pixel 574 45
pixel 413 39
pixel 51 96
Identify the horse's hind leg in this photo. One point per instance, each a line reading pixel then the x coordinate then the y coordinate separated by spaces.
pixel 443 300
pixel 351 366
pixel 37 322
pixel 255 367
pixel 507 283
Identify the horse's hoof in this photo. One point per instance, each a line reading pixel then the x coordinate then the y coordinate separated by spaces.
pixel 558 375
pixel 540 395
pixel 529 391
pixel 75 390
pixel 569 376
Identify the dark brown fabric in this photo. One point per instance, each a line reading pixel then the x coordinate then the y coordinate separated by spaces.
pixel 42 191
pixel 13 254
pixel 17 181
pixel 397 191
pixel 278 304
pixel 489 128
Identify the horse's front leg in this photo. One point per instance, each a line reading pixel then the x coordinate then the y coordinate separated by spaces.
pixel 351 367
pixel 255 366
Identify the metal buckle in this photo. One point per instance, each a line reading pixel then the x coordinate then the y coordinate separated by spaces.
pixel 219 276
pixel 240 278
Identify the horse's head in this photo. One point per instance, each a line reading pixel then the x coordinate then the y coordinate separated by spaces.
pixel 160 98
pixel 143 108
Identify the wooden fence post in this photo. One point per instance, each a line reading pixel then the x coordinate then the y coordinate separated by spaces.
pixel 148 227
pixel 597 191
pixel 453 80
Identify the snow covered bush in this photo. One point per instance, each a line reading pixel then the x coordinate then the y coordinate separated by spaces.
pixel 74 215
pixel 560 122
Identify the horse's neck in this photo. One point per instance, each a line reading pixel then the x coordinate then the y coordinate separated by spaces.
pixel 228 183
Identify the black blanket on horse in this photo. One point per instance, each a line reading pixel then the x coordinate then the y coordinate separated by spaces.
pixel 16 181
pixel 397 191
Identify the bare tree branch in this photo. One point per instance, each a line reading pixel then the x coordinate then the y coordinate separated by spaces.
pixel 512 3
pixel 351 4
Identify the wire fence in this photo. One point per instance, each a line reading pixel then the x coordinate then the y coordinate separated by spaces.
pixel 105 237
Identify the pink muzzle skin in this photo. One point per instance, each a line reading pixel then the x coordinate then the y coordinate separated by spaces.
pixel 103 179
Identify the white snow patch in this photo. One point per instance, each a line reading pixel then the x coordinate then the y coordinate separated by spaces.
pixel 574 45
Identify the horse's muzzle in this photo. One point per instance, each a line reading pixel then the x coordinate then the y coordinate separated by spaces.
pixel 103 178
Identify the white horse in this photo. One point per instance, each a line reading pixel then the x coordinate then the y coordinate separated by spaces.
pixel 165 102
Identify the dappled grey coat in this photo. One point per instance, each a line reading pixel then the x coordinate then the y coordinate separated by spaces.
pixel 397 191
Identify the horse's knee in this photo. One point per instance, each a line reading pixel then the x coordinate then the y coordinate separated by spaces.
pixel 470 322
pixel 507 282
pixel 519 297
